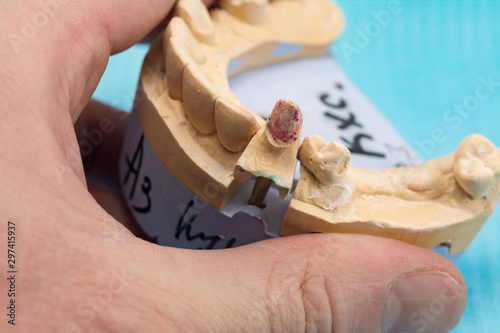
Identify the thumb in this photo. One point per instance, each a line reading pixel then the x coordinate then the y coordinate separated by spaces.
pixel 338 283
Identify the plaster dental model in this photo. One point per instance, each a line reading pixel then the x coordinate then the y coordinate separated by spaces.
pixel 210 143
pixel 194 123
pixel 272 153
pixel 446 200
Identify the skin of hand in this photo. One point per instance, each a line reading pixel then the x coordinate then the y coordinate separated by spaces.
pixel 80 270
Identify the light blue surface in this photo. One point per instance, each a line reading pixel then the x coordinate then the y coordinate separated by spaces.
pixel 425 60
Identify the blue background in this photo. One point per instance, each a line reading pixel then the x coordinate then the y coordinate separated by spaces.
pixel 428 58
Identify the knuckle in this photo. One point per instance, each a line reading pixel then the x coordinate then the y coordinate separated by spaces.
pixel 299 292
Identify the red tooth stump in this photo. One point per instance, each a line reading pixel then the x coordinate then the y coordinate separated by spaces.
pixel 285 122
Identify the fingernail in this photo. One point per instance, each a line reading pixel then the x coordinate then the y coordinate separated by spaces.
pixel 425 302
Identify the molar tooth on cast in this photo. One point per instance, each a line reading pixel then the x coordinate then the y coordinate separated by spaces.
pixel 199 96
pixel 250 11
pixel 235 124
pixel 448 198
pixel 328 163
pixel 177 28
pixel 192 82
pixel 197 17
pixel 476 165
pixel 284 123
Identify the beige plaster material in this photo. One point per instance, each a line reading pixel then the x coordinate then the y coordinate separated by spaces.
pixel 206 139
pixel 251 11
pixel 476 165
pixel 181 49
pixel 188 113
pixel 196 16
pixel 235 124
pixel 272 152
pixel 198 96
pixel 328 163
pixel 425 205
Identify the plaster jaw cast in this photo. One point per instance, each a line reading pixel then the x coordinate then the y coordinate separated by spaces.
pixel 424 205
pixel 199 96
pixel 271 154
pixel 200 132
pixel 194 123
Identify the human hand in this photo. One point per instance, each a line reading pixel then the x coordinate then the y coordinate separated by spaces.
pixel 80 270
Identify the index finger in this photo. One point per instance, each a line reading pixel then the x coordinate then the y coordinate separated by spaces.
pixel 126 22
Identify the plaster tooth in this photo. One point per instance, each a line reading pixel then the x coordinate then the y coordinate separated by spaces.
pixel 251 11
pixel 284 123
pixel 177 58
pixel 181 49
pixel 177 27
pixel 236 125
pixel 199 96
pixel 272 152
pixel 328 163
pixel 196 15
pixel 331 163
pixel 476 165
